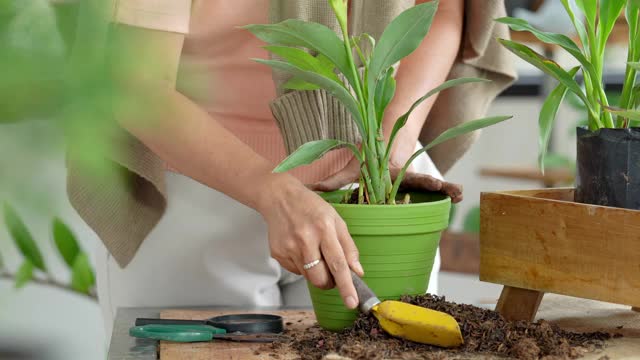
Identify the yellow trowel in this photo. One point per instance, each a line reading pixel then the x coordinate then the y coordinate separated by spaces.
pixel 408 321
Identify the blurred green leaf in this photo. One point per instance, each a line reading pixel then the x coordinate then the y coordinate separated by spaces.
pixel 23 239
pixel 65 242
pixel 24 274
pixel 82 276
pixel 452 213
pixel 559 161
pixel 472 221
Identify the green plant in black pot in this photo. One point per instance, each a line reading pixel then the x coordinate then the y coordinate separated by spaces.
pixel 608 148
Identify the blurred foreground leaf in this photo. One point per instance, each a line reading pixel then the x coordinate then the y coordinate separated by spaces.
pixel 22 237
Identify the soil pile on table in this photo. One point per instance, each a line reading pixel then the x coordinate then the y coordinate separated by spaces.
pixel 485 332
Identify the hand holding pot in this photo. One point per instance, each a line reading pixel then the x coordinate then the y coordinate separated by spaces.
pixel 303 229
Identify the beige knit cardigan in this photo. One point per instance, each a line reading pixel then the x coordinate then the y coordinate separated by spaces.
pixel 123 213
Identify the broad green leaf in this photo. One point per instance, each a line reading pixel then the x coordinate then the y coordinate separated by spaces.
pixel 325 62
pixel 448 134
pixel 24 273
pixel 336 89
pixel 22 237
pixel 547 117
pixel 298 84
pixel 82 276
pixel 313 36
pixel 65 242
pixel 303 60
pixel 464 128
pixel 310 152
pixel 577 24
pixel 400 38
pixel 609 12
pixel 385 89
pixel 548 66
pixel 590 10
pixel 550 38
pixel 402 120
pixel 472 221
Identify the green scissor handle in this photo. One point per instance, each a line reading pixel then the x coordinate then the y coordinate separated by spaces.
pixel 176 333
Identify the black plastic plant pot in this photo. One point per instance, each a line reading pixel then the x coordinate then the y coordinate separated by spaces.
pixel 608 167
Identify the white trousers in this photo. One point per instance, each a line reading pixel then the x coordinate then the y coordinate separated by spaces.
pixel 207 250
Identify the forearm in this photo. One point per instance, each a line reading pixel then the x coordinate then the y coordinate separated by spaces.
pixel 175 128
pixel 198 146
pixel 427 67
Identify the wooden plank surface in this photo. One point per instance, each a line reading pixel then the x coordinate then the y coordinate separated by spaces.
pixel 295 320
pixel 541 240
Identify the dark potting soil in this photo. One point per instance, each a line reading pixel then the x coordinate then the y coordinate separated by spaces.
pixel 485 332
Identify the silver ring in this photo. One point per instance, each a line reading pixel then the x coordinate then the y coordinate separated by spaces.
pixel 311 264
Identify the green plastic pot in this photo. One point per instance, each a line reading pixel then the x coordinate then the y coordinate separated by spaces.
pixel 397 245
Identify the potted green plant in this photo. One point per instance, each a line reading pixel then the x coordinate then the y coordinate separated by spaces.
pixel 397 241
pixel 608 148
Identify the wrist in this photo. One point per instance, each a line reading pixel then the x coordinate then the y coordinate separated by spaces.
pixel 273 188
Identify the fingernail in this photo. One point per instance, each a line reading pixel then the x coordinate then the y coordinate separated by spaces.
pixel 351 302
pixel 358 268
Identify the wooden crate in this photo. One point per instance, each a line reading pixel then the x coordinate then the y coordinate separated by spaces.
pixel 537 241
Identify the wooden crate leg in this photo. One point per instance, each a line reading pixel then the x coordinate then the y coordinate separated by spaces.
pixel 519 304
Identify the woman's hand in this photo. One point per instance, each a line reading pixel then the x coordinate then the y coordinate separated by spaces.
pixel 411 181
pixel 304 228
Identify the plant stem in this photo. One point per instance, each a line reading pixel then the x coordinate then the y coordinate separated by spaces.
pixel 361 189
pixel 626 99
pixel 372 175
pixel 349 50
pixel 597 55
pixel 51 283
pixel 403 171
pixel 367 178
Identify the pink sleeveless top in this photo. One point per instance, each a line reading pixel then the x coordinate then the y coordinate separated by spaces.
pixel 239 89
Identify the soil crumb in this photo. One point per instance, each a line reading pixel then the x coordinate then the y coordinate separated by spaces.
pixel 485 332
